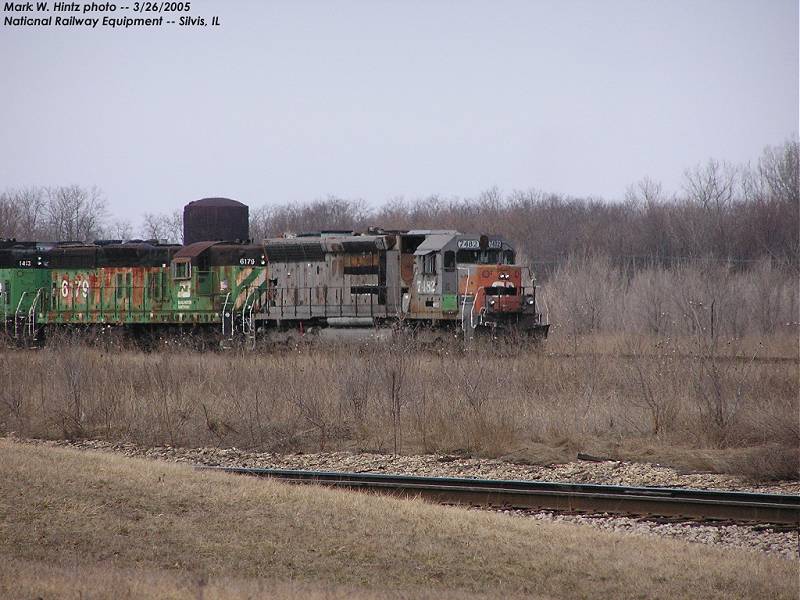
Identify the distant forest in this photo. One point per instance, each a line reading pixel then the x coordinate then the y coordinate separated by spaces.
pixel 723 212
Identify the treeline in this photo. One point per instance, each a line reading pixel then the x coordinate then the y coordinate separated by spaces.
pixel 723 212
pixel 727 213
pixel 77 214
pixel 58 213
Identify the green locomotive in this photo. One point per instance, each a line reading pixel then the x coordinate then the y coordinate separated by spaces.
pixel 139 284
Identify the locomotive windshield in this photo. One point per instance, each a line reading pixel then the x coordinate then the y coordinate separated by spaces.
pixel 485 257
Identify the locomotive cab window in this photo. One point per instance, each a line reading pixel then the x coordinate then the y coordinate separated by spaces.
pixel 429 264
pixel 181 269
pixel 477 257
pixel 485 257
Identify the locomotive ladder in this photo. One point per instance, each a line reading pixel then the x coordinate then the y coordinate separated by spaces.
pixel 16 315
pixel 4 301
pixel 251 329
pixel 32 314
pixel 224 313
pixel 248 323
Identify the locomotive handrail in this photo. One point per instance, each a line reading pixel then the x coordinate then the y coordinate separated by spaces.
pixel 464 301
pixel 277 302
pixel 244 308
pixel 222 315
pixel 252 323
pixel 16 313
pixel 5 297
pixel 32 313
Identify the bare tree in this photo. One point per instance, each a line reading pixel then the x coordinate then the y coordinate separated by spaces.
pixel 259 223
pixel 21 213
pixel 645 191
pixel 9 217
pixel 120 229
pixel 712 187
pixel 163 227
pixel 75 213
pixel 331 213
pixel 779 168
pixel 773 202
pixel 584 294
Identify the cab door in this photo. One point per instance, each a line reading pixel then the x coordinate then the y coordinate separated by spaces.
pixel 449 287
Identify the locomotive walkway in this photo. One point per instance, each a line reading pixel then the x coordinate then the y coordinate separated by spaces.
pixel 706 505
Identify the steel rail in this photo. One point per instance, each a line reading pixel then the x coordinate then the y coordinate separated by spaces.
pixel 742 507
pixel 676 356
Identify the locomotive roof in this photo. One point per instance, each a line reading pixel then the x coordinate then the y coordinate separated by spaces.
pixel 194 250
pixel 434 242
pixel 81 255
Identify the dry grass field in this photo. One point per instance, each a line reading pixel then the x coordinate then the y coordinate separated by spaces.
pixel 90 525
pixel 716 404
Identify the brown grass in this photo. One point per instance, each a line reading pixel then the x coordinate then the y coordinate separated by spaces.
pixel 42 580
pixel 96 525
pixel 676 402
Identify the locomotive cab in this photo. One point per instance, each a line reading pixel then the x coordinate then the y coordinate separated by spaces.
pixel 472 279
pixel 434 292
pixel 493 290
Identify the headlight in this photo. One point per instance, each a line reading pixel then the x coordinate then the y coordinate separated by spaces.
pixel 492 302
pixel 530 301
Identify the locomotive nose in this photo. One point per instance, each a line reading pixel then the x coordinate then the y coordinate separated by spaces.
pixel 501 290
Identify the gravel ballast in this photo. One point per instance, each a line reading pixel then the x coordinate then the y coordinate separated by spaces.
pixel 433 465
pixel 760 539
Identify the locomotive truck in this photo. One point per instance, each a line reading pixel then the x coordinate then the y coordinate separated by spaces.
pixel 221 283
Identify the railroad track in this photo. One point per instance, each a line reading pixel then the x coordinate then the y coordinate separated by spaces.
pixel 739 507
pixel 677 356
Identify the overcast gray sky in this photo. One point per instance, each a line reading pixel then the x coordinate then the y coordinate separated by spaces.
pixel 292 101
